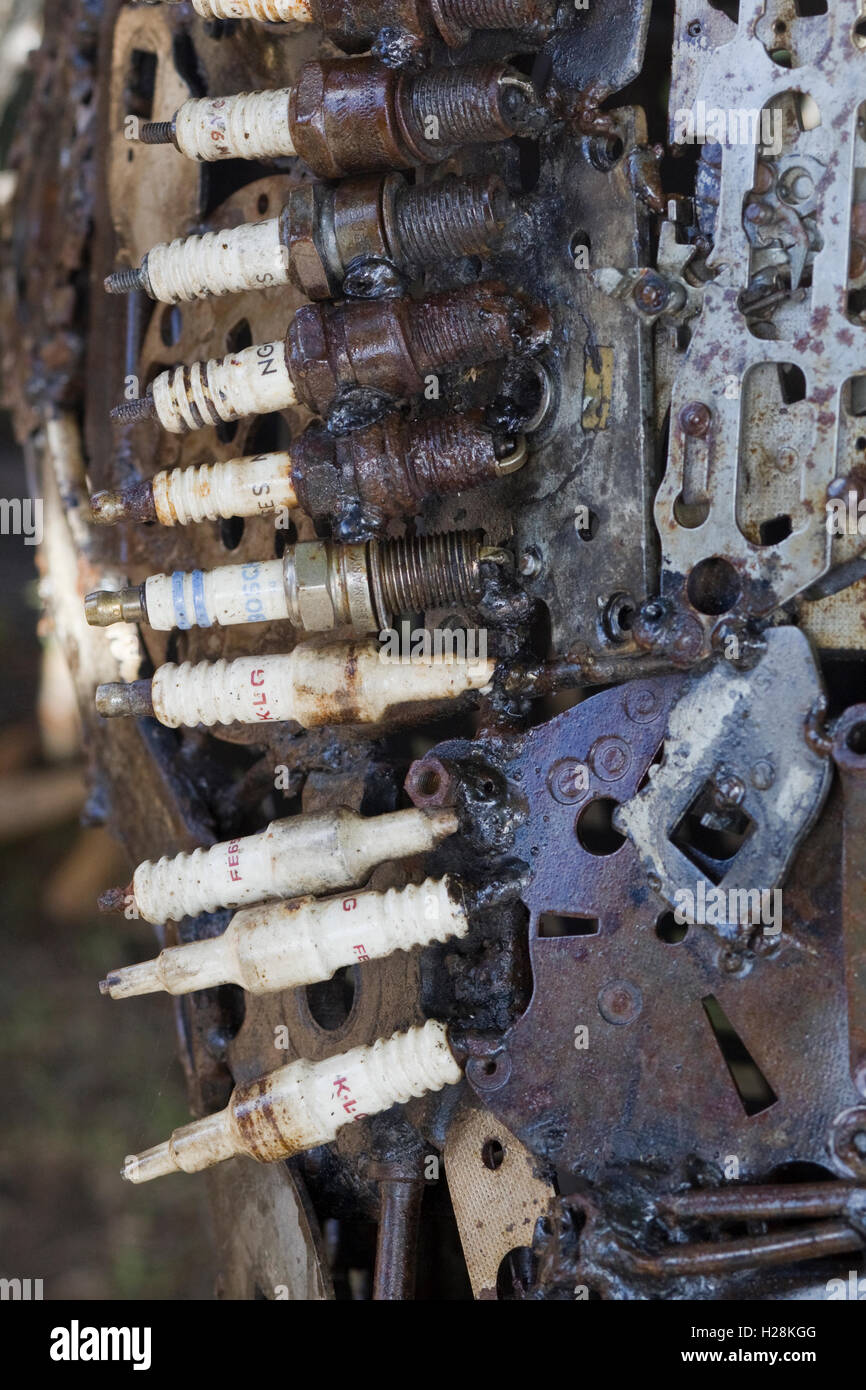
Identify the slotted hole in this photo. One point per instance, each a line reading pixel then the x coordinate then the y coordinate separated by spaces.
pixel 552 924
pixel 755 1092
pixel 492 1154
pixel 516 1273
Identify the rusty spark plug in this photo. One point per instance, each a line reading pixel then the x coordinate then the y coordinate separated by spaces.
pixel 325 231
pixel 391 346
pixel 317 586
pixel 355 116
pixel 388 469
pixel 357 26
pixel 342 683
pixel 304 1104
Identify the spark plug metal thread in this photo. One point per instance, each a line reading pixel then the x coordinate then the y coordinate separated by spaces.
pixel 388 345
pixel 389 469
pixel 455 217
pixel 302 854
pixel 342 683
pixel 277 946
pixel 352 116
pixel 317 586
pixel 304 1104
pixel 320 232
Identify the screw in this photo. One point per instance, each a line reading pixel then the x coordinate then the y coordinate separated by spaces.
pixel 695 419
pixel 568 781
pixel 123 281
pixel 156 132
pixel 620 1003
pixel 144 408
pixel 728 790
pixel 763 775
pixel 652 293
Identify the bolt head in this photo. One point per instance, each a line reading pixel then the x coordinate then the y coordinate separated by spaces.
pixel 763 775
pixel 651 293
pixel 620 1002
pixel 695 419
pixel 568 781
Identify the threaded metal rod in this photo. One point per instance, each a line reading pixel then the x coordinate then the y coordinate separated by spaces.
pixel 143 408
pixel 495 14
pixel 465 103
pixel 457 217
pixel 156 132
pixel 124 281
pixel 420 572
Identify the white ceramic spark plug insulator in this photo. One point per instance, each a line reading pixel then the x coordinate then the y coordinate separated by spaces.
pixel 302 854
pixel 248 257
pixel 249 125
pixel 272 11
pixel 254 381
pixel 286 945
pixel 251 593
pixel 236 487
pixel 305 1103
pixel 344 682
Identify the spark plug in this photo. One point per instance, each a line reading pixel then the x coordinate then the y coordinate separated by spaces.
pixel 303 1105
pixel 298 855
pixel 284 946
pixel 325 231
pixel 388 469
pixel 390 346
pixel 359 25
pixel 317 585
pixel 342 683
pixel 355 116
